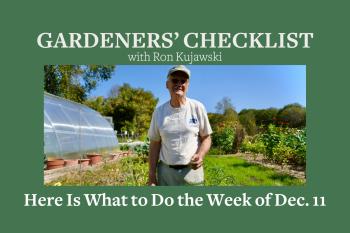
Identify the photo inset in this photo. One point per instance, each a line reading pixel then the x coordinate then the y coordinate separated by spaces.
pixel 174 125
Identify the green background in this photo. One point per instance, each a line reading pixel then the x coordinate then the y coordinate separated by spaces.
pixel 22 107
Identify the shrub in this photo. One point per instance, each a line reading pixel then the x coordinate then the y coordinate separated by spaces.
pixel 281 145
pixel 142 150
pixel 296 140
pixel 270 139
pixel 257 147
pixel 134 171
pixel 282 154
pixel 223 139
pixel 124 147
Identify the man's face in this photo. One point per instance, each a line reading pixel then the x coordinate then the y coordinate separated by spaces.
pixel 177 84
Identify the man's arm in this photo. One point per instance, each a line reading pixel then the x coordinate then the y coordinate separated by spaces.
pixel 154 149
pixel 198 157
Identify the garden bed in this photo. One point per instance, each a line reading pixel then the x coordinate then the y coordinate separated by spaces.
pixel 55 174
pixel 295 171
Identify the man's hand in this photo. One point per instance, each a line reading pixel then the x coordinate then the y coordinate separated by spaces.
pixel 152 180
pixel 198 158
pixel 196 161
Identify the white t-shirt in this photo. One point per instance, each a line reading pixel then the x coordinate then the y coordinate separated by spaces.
pixel 179 129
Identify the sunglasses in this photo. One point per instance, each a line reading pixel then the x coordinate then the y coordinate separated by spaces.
pixel 176 81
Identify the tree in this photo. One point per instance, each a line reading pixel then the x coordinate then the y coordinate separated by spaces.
pixel 132 109
pixel 266 116
pixel 223 105
pixel 216 120
pixel 248 121
pixel 238 139
pixel 226 126
pixel 97 103
pixel 114 91
pixel 226 113
pixel 262 117
pixel 74 82
pixel 226 116
pixel 292 115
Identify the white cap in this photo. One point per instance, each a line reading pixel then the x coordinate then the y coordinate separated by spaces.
pixel 181 68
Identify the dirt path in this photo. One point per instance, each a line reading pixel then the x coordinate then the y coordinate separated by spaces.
pixel 259 159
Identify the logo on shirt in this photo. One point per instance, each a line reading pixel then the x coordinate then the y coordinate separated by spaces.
pixel 193 120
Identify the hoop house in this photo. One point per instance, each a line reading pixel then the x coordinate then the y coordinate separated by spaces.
pixel 72 130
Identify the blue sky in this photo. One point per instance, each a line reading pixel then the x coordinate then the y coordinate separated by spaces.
pixel 248 86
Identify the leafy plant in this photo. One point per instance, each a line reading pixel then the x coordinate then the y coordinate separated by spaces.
pixel 223 139
pixel 142 149
pixel 257 147
pixel 280 145
pixel 217 176
pixel 134 170
pixel 270 139
pixel 124 147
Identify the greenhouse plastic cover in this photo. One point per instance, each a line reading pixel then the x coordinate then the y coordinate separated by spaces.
pixel 71 129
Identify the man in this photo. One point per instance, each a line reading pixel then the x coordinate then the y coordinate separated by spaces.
pixel 179 135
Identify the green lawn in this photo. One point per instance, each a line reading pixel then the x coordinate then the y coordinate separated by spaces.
pixel 219 170
pixel 229 170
